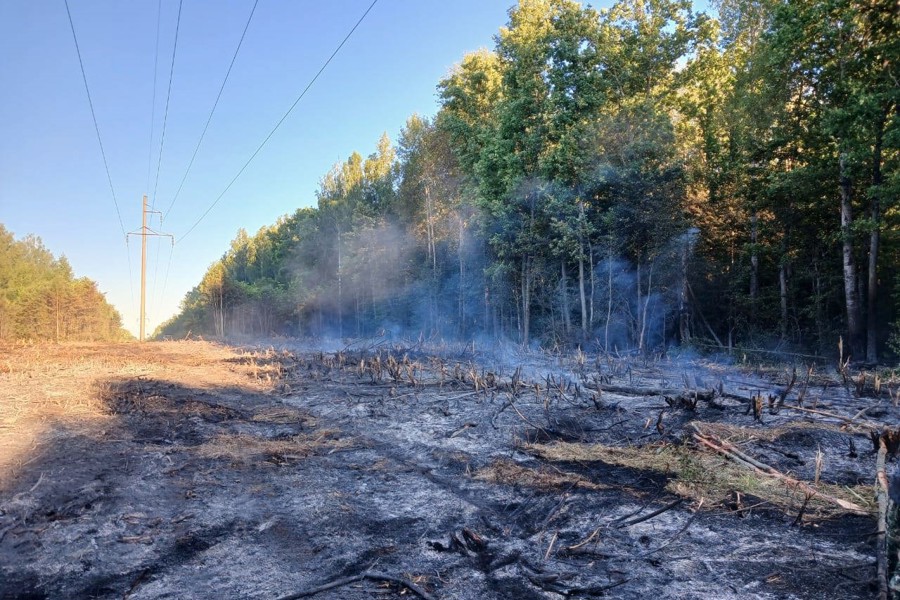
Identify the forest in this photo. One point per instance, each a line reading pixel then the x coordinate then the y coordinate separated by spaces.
pixel 42 300
pixel 629 179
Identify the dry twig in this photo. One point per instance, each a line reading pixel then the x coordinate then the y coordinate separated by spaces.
pixel 372 575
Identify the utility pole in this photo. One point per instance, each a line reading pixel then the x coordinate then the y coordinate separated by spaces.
pixel 144 233
pixel 143 265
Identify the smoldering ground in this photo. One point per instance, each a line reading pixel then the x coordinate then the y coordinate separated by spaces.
pixel 212 472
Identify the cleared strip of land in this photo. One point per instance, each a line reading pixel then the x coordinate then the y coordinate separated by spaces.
pixel 209 471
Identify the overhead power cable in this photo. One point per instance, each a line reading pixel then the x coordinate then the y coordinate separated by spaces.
pixel 112 189
pixel 197 148
pixel 168 266
pixel 211 112
pixel 153 121
pixel 280 121
pixel 162 140
pixel 153 104
pixel 87 89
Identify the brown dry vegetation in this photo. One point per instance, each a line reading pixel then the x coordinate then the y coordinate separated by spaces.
pixel 704 476
pixel 48 389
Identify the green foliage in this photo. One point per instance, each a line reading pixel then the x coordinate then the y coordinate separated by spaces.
pixel 641 175
pixel 41 299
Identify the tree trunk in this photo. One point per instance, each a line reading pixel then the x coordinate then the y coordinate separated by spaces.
pixel 639 327
pixel 783 294
pixel 564 293
pixel 584 315
pixel 849 265
pixel 461 317
pixel 583 298
pixel 874 243
pixel 754 257
pixel 220 325
pixel 526 300
pixel 593 283
pixel 340 288
pixel 643 336
pixel 489 315
pixel 57 316
pixel 684 311
pixel 609 300
pixel 820 313
pixel 429 229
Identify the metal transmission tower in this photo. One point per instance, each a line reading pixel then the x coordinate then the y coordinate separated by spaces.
pixel 145 232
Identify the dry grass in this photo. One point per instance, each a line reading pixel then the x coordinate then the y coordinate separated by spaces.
pixel 248 449
pixel 697 475
pixel 507 472
pixel 283 414
pixel 47 389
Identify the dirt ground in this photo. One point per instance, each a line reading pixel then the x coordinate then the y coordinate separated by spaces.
pixel 196 470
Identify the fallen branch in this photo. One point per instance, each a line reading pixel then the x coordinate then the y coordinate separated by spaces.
pixel 849 420
pixel 524 418
pixel 465 426
pixel 371 575
pixel 551 582
pixel 459 397
pixel 585 541
pixel 677 535
pixel 732 453
pixel 649 516
pixel 705 395
pixel 881 490
pixel 506 405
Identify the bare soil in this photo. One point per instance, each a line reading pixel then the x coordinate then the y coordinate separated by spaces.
pixel 196 470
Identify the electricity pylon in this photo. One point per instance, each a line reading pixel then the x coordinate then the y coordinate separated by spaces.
pixel 144 232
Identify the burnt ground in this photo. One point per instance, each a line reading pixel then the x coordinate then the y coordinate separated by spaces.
pixel 192 470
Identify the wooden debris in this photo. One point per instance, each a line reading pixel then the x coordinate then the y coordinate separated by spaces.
pixel 677 534
pixel 372 575
pixel 755 406
pixel 552 582
pixel 746 461
pixel 889 439
pixel 881 489
pixel 466 542
pixel 473 540
pixel 649 516
pixel 465 426
pixel 688 396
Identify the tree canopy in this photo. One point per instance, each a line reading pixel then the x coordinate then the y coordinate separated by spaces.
pixel 41 299
pixel 629 178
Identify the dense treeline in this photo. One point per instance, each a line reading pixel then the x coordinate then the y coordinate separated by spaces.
pixel 628 178
pixel 40 298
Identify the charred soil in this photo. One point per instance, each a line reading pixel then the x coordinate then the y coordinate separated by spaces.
pixel 196 470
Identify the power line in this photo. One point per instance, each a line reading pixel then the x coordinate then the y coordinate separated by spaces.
pixel 153 105
pixel 156 267
pixel 94 117
pixel 112 190
pixel 211 112
pixel 130 273
pixel 277 125
pixel 162 140
pixel 162 294
pixel 197 148
pixel 152 120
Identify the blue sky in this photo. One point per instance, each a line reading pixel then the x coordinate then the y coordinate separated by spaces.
pixel 52 180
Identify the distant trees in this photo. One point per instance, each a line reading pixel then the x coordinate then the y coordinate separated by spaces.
pixel 629 178
pixel 40 298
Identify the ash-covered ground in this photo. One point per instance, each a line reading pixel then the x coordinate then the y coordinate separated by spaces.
pixel 192 470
